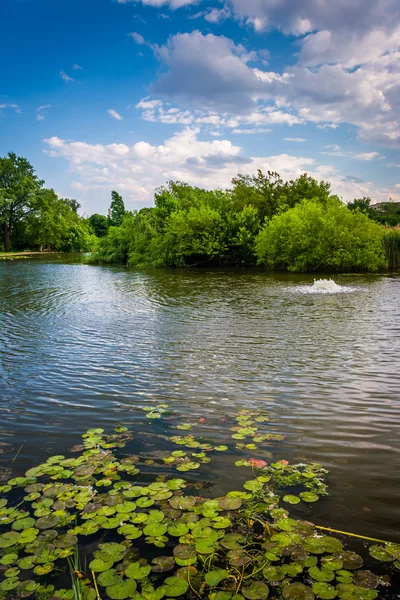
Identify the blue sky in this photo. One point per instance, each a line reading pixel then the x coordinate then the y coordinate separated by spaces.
pixel 126 95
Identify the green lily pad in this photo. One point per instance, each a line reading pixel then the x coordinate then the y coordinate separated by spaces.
pixel 9 559
pixel 137 571
pixel 175 586
pixel 178 529
pixel 48 522
pixel 98 565
pixel 123 590
pixel 43 569
pixel 182 502
pixel 290 499
pixel 220 595
pixel 22 524
pixel 380 553
pixel 256 590
pixel 273 573
pixel 9 584
pixel 155 529
pixel 109 578
pixel 309 497
pixel 298 591
pixel 230 503
pixel 321 574
pixel 8 539
pixel 253 485
pixel 324 590
pixel 215 577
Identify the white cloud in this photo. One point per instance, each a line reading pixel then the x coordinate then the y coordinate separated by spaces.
pixel 207 71
pixel 367 156
pixel 41 114
pixel 137 37
pixel 296 139
pixel 216 15
pixel 13 107
pixel 139 169
pixel 114 114
pixel 174 4
pixel 77 67
pixel 65 77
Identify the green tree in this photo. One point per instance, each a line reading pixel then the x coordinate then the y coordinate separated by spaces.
pixel 99 224
pixel 117 209
pixel 19 188
pixel 314 237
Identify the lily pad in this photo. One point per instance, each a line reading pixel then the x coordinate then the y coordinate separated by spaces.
pixel 256 590
pixel 123 590
pixel 324 591
pixel 137 571
pixel 380 553
pixel 215 577
pixel 175 586
pixel 298 591
pixel 162 564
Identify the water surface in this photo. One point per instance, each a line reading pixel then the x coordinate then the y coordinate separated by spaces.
pixel 84 346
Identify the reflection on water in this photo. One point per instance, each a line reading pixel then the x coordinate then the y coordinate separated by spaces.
pixel 86 346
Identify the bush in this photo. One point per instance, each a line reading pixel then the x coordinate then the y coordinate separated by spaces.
pixel 314 237
pixel 392 247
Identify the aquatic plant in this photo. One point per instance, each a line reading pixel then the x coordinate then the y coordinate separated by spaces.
pixel 94 516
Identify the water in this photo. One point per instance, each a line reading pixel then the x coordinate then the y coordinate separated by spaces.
pixel 85 346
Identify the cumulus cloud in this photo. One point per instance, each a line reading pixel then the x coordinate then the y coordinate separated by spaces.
pixel 367 156
pixel 299 17
pixel 114 114
pixel 139 169
pixel 207 71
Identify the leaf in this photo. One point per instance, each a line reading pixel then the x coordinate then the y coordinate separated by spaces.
pixel 162 564
pixel 298 591
pixel 324 591
pixel 215 576
pixel 98 565
pixel 230 503
pixel 257 590
pixel 137 571
pixel 175 586
pixel 182 502
pixel 123 590
pixel 291 499
pixel 321 574
pixel 309 497
pixel 155 529
pixel 379 552
pixel 178 529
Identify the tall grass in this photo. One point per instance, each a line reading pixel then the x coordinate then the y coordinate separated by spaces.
pixel 392 246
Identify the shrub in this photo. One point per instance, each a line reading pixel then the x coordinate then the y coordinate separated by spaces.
pixel 314 237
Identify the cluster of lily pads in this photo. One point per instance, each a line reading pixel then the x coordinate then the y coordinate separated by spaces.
pixel 91 526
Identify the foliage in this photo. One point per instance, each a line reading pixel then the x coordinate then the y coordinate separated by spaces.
pixel 99 224
pixel 191 226
pixel 392 246
pixel 313 237
pixel 19 186
pixel 387 213
pixel 117 209
pixel 34 217
pixel 147 540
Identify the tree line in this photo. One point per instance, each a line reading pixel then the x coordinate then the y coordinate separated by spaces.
pixel 33 217
pixel 296 225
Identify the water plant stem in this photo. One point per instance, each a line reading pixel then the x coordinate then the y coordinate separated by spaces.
pixel 362 537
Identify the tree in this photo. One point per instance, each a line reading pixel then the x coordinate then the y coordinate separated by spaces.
pixel 99 224
pixel 314 237
pixel 19 188
pixel 117 209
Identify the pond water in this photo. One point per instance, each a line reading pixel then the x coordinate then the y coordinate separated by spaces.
pixel 85 346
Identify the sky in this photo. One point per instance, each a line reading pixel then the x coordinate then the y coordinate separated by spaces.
pixel 129 94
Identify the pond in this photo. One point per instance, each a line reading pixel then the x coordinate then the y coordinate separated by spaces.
pixel 85 346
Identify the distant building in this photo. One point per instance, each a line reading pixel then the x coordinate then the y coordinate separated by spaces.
pixel 384 206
